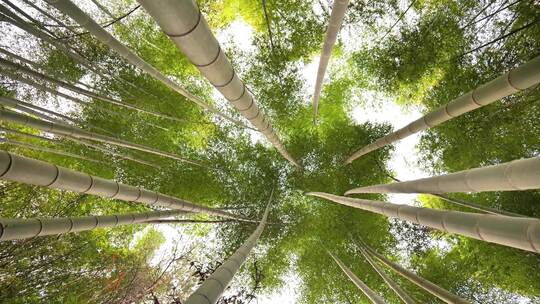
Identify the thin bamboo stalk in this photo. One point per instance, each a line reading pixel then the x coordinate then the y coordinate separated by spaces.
pixel 40 173
pixel 16 229
pixel 16 106
pixel 476 206
pixel 334 25
pixel 102 35
pixel 212 288
pixel 368 292
pixel 517 79
pixel 26 106
pixel 517 232
pixel 49 150
pixel 402 294
pixel 521 174
pixel 428 286
pixel 67 130
pixel 184 23
pixel 14 67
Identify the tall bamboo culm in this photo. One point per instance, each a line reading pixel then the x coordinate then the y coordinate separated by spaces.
pixel 521 174
pixel 212 288
pixel 402 294
pixel 184 23
pixel 339 7
pixel 517 232
pixel 16 229
pixel 368 292
pixel 70 9
pixel 71 131
pixel 428 286
pixel 36 172
pixel 515 80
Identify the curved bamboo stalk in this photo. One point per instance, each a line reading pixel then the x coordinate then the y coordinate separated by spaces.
pixel 428 286
pixel 212 288
pixel 67 130
pixel 14 67
pixel 517 232
pixel 368 292
pixel 102 35
pixel 184 23
pixel 402 294
pixel 521 174
pixel 334 25
pixel 83 142
pixel 49 150
pixel 36 172
pixel 520 78
pixel 16 229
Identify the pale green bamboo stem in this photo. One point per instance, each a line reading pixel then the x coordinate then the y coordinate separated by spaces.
pixel 428 286
pixel 29 108
pixel 402 294
pixel 476 207
pixel 49 150
pixel 71 131
pixel 520 78
pixel 187 27
pixel 16 229
pixel 102 35
pixel 368 292
pixel 517 232
pixel 339 7
pixel 212 288
pixel 521 174
pixel 36 172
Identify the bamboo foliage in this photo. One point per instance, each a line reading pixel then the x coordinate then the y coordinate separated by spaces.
pixel 36 172
pixel 70 9
pixel 402 294
pixel 428 286
pixel 16 229
pixel 521 174
pixel 184 23
pixel 368 292
pixel 212 288
pixel 339 7
pixel 517 232
pixel 71 131
pixel 520 78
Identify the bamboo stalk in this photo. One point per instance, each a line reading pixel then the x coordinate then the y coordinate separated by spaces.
pixel 517 79
pixel 402 294
pixel 476 206
pixel 368 292
pixel 102 35
pixel 517 232
pixel 212 288
pixel 184 23
pixel 71 131
pixel 28 108
pixel 428 286
pixel 334 25
pixel 521 174
pixel 16 229
pixel 36 172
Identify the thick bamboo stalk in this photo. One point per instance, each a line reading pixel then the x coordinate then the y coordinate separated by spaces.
pixel 521 174
pixel 517 232
pixel 368 292
pixel 520 78
pixel 49 150
pixel 428 286
pixel 102 35
pixel 212 288
pixel 16 229
pixel 402 294
pixel 14 67
pixel 334 25
pixel 36 172
pixel 71 131
pixel 184 23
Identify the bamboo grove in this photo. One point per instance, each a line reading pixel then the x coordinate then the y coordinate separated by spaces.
pixel 182 151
